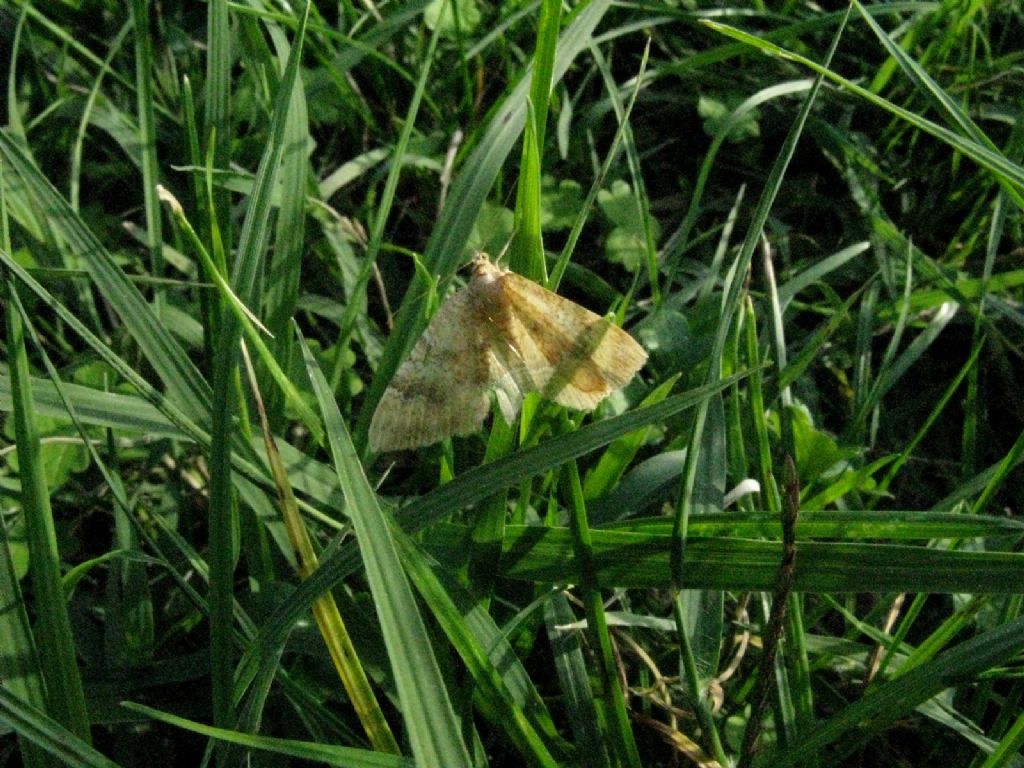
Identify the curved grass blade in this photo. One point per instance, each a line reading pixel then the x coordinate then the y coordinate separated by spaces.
pixel 48 734
pixel 328 618
pixel 431 725
pixel 898 697
pixel 344 757
pixel 56 644
pixel 185 385
pixel 627 560
pixel 1009 174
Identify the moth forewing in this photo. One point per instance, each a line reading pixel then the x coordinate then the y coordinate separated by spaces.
pixel 507 334
pixel 442 387
pixel 562 350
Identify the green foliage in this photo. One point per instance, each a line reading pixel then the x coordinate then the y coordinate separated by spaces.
pixel 452 17
pixel 625 244
pixel 716 116
pixel 811 222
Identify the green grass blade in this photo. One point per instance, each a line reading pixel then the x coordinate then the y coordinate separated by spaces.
pixel 887 377
pixel 473 486
pixel 74 185
pixel 628 561
pixel 35 726
pixel 217 108
pixel 618 728
pixel 527 252
pixel 574 679
pixel 56 645
pixel 680 240
pixel 283 277
pixel 1009 174
pixel 20 670
pixel 147 136
pixel 605 476
pixel 164 408
pixel 637 187
pixel 184 383
pixel 344 757
pixel 431 726
pixel 245 274
pixel 858 721
pixel 846 525
pixel 503 690
pixel 19 664
pixel 558 271
pixel 948 107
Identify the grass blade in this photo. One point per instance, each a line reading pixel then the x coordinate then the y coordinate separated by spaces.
pixel 432 728
pixel 45 732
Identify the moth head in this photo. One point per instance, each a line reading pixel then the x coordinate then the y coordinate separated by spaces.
pixel 480 259
pixel 484 272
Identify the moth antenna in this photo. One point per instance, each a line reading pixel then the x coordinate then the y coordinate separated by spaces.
pixel 508 244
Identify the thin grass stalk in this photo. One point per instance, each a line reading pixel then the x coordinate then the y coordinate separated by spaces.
pixel 680 241
pixel 75 174
pixel 754 232
pixel 934 414
pixel 19 664
pixel 574 680
pixel 280 749
pixel 209 319
pixel 758 414
pixel 636 176
pixel 285 270
pixel 223 521
pixel 147 139
pixel 462 59
pixel 31 219
pixel 972 405
pixel 383 212
pixel 610 157
pixel 20 668
pixel 183 425
pixel 735 441
pixel 797 706
pixel 1007 751
pixel 527 252
pixel 620 731
pixel 226 384
pixel 217 111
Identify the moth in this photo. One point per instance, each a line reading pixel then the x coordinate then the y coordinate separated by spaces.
pixel 505 334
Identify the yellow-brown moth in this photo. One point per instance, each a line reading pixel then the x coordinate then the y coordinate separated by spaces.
pixel 506 334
